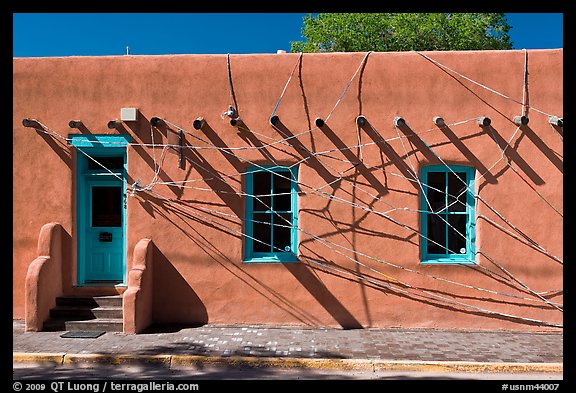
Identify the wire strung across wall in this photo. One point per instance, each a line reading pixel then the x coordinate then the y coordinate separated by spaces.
pixel 328 243
pixel 391 283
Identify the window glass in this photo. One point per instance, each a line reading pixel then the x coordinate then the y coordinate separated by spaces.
pixel 436 234
pixel 261 232
pixel 436 187
pixel 261 182
pixel 111 163
pixel 457 233
pixel 282 197
pixel 106 206
pixel 282 231
pixel 456 192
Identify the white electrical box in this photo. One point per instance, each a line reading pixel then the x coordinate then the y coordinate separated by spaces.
pixel 129 114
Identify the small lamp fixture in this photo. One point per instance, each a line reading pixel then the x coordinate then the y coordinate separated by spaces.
pixel 484 121
pixel 319 122
pixel 198 123
pixel 361 121
pixel 231 112
pixel 399 121
pixel 521 120
pixel 439 121
pixel 112 124
pixel 74 123
pixel 156 121
pixel 556 121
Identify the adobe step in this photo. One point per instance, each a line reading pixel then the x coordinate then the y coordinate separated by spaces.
pixel 90 301
pixel 100 324
pixel 103 324
pixel 86 313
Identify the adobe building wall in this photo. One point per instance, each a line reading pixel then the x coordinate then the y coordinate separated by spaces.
pixel 357 268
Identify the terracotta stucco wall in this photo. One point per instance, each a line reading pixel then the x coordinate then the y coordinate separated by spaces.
pixel 198 271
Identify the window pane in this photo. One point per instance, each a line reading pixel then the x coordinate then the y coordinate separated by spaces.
pixel 282 232
pixel 436 233
pixel 261 230
pixel 261 186
pixel 106 206
pixel 108 162
pixel 457 186
pixel 436 187
pixel 281 200
pixel 457 233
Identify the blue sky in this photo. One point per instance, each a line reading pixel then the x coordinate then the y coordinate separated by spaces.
pixel 97 34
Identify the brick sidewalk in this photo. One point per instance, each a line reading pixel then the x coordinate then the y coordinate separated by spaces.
pixel 292 342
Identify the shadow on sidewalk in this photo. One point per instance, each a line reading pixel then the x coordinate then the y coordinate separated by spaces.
pixel 233 350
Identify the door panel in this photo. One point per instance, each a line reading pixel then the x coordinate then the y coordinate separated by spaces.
pixel 104 231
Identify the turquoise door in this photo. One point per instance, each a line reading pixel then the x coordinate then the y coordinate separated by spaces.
pixel 104 231
pixel 101 211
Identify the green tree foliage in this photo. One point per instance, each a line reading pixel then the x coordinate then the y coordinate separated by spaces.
pixel 385 32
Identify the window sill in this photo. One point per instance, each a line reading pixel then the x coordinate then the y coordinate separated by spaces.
pixel 288 258
pixel 447 261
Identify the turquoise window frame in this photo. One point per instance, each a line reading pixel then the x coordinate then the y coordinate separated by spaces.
pixel 250 256
pixel 469 257
pixel 100 146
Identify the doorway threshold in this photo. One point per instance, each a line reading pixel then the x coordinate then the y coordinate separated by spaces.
pixel 102 283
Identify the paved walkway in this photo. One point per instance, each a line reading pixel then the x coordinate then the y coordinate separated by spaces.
pixel 325 346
